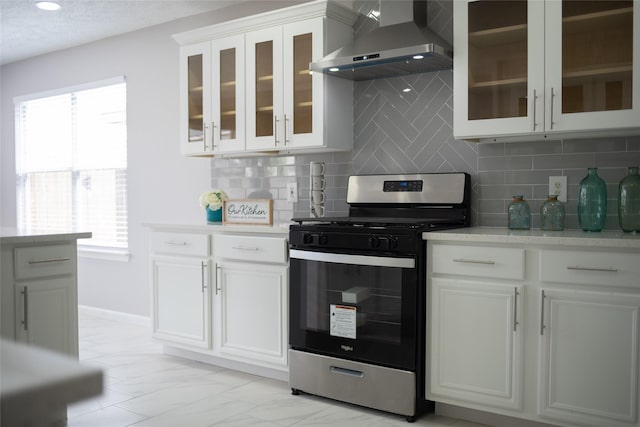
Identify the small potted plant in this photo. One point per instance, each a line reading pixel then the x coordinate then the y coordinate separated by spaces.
pixel 212 202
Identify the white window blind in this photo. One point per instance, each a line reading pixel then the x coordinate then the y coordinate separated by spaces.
pixel 71 163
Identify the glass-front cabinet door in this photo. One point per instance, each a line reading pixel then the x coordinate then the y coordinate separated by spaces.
pixel 264 89
pixel 303 100
pixel 526 68
pixel 195 107
pixel 592 75
pixel 228 94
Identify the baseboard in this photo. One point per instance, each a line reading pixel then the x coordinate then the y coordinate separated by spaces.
pixel 115 315
pixel 482 417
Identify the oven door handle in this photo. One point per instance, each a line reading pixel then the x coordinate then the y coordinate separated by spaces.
pixel 376 261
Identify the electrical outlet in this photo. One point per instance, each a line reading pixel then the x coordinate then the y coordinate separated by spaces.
pixel 558 186
pixel 292 192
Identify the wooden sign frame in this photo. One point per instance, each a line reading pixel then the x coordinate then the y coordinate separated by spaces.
pixel 247 211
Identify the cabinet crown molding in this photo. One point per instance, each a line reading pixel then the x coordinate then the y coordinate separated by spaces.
pixel 313 9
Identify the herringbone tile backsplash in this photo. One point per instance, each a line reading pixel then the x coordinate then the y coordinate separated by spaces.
pixel 400 131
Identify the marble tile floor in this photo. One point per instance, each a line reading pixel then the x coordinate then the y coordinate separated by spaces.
pixel 145 388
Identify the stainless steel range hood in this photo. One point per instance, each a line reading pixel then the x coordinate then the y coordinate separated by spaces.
pixel 401 45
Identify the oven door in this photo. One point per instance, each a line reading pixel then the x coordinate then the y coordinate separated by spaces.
pixel 358 307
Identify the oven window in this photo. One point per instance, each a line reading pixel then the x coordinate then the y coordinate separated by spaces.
pixel 353 301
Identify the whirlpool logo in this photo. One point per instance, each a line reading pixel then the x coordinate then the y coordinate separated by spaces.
pixel 346 347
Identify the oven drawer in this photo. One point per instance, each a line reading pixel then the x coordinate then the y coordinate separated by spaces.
pixel 378 387
pixel 590 268
pixel 478 261
pixel 251 248
pixel 186 244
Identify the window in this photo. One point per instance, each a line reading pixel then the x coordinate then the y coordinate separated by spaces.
pixel 71 162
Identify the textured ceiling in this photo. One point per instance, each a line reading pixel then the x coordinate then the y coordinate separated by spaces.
pixel 27 31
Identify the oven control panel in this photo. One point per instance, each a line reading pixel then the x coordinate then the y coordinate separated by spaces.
pixel 394 186
pixel 371 241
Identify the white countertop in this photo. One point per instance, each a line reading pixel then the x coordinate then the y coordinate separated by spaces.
pixel 602 239
pixel 13 235
pixel 281 229
pixel 35 380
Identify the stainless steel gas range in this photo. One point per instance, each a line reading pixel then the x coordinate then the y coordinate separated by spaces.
pixel 357 290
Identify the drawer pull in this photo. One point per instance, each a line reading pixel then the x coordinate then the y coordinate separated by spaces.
pixel 577 267
pixel 246 248
pixel 25 307
pixel 474 261
pixel 176 243
pixel 42 261
pixel 542 297
pixel 515 309
pixel 348 372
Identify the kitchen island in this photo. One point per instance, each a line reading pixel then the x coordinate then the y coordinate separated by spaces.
pixel 39 289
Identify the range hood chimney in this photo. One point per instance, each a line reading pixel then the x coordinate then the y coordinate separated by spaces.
pixel 401 45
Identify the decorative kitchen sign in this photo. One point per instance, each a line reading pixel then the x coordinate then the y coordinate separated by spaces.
pixel 248 211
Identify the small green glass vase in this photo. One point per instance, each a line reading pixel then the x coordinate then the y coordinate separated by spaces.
pixel 519 214
pixel 552 214
pixel 592 201
pixel 629 201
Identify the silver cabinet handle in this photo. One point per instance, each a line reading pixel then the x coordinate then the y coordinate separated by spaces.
pixel 202 267
pixel 473 261
pixel 579 268
pixel 204 136
pixel 553 94
pixel 542 312
pixel 345 371
pixel 176 243
pixel 25 302
pixel 213 133
pixel 286 140
pixel 245 248
pixel 218 278
pixel 533 115
pixel 515 308
pixel 42 261
pixel 275 129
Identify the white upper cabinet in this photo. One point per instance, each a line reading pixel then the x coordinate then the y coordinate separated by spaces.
pixel 257 94
pixel 539 69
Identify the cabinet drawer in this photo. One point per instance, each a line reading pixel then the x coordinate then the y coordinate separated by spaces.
pixel 478 261
pixel 590 268
pixel 251 248
pixel 180 243
pixel 43 261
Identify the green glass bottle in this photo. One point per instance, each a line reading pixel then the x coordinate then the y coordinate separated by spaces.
pixel 519 214
pixel 592 201
pixel 629 201
pixel 552 214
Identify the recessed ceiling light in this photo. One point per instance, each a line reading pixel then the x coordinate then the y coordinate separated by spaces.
pixel 48 5
pixel 418 56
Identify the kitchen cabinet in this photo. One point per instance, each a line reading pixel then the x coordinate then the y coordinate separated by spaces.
pixel 39 291
pixel 258 95
pixel 195 101
pixel 572 305
pixel 542 69
pixel 181 279
pixel 476 327
pixel 589 338
pixel 252 294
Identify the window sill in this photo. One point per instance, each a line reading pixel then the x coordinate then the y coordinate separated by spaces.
pixel 105 254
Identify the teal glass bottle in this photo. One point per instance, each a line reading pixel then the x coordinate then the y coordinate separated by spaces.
pixel 592 201
pixel 552 214
pixel 629 201
pixel 519 214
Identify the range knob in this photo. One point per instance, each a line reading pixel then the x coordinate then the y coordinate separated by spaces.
pixel 307 238
pixel 323 239
pixel 374 242
pixel 393 242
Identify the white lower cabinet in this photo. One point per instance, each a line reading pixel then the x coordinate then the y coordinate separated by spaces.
pixel 253 311
pixel 223 297
pixel 589 357
pixel 181 302
pixel 558 345
pixel 476 342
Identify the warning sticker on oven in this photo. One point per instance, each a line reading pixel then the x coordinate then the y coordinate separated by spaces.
pixel 343 321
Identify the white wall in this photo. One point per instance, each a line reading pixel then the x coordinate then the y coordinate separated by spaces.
pixel 163 186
